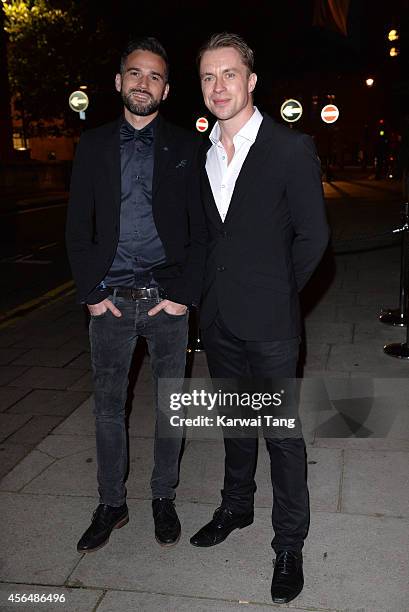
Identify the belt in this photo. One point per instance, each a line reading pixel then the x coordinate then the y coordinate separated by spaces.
pixel 136 293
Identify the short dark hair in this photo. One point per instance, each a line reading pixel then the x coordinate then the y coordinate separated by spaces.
pixel 226 39
pixel 145 43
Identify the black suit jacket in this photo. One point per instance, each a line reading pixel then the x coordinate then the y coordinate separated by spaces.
pixel 92 230
pixel 273 237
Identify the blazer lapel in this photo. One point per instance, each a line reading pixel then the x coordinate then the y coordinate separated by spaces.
pixel 112 162
pixel 251 167
pixel 207 194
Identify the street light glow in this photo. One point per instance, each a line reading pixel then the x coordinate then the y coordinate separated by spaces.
pixel 393 35
pixel 394 52
pixel 369 82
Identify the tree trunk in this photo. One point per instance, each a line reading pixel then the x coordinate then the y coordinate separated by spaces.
pixel 6 126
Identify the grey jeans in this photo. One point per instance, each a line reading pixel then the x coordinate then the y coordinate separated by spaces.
pixel 113 342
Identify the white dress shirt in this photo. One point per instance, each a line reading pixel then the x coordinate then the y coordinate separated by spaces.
pixel 223 176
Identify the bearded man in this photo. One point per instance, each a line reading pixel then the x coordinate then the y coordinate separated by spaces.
pixel 136 241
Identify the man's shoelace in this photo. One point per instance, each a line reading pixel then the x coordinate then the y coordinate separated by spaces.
pixel 286 562
pixel 222 514
pixel 101 516
pixel 165 509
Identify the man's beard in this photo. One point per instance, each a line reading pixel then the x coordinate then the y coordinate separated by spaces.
pixel 138 108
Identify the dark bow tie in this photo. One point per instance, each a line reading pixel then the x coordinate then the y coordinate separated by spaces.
pixel 144 136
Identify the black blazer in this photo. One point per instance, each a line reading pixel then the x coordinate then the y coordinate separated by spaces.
pixel 273 237
pixel 92 230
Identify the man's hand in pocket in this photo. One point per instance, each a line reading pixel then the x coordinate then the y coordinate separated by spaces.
pixel 99 309
pixel 171 308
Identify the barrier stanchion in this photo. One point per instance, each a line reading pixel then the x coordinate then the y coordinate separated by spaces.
pixel 400 350
pixel 399 316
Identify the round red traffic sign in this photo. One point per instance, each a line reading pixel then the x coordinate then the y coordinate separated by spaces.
pixel 202 124
pixel 330 113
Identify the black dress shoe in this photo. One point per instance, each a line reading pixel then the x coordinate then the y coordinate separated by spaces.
pixel 104 520
pixel 224 521
pixel 288 578
pixel 167 524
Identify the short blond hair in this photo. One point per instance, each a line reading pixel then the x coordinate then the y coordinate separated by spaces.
pixel 226 39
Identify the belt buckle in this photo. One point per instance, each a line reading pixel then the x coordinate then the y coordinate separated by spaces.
pixel 134 293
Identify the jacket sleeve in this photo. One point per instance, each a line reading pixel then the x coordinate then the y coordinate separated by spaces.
pixel 79 230
pixel 306 202
pixel 187 288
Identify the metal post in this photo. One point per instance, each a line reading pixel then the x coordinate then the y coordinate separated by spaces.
pixel 399 316
pixel 400 350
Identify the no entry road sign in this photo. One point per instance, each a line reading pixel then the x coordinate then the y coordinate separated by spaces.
pixel 291 110
pixel 330 113
pixel 202 124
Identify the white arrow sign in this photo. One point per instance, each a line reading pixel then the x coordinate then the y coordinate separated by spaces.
pixel 78 101
pixel 291 110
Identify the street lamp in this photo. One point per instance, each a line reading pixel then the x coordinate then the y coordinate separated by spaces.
pixel 393 51
pixel 369 82
pixel 393 35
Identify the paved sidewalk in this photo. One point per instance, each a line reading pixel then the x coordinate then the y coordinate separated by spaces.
pixel 357 553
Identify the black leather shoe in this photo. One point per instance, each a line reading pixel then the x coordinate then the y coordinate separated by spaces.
pixel 167 524
pixel 224 521
pixel 288 577
pixel 104 520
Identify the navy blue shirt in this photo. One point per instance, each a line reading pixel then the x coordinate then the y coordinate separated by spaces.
pixel 139 248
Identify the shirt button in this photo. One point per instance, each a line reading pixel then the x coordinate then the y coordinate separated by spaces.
pixel 221 268
pixel 223 186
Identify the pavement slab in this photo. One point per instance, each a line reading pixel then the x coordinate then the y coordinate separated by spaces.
pixel 10 395
pixel 323 312
pixel 50 402
pixel 10 455
pixel 75 473
pixel 127 601
pixel 83 361
pixel 376 483
pixel 34 430
pixel 47 378
pixel 9 374
pixel 48 528
pixel 378 334
pixel 357 314
pixel 60 446
pixel 316 355
pixel 84 383
pixel 54 358
pixel 8 355
pixel 48 339
pixel 329 333
pixel 32 465
pixel 9 423
pixel 337 576
pixel 10 336
pixel 64 600
pixel 359 358
pixel 80 422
